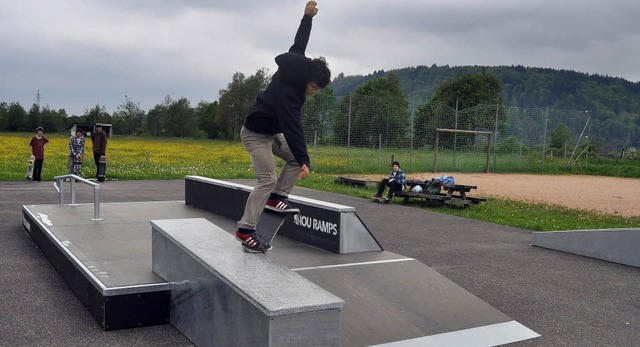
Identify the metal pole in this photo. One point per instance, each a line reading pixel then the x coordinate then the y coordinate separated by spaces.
pixel 349 130
pixel 411 140
pixel 379 151
pixel 315 141
pixel 60 189
pixel 455 139
pixel 577 143
pixel 61 194
pixel 72 181
pixel 96 203
pixel 520 156
pixel 586 160
pixel 495 138
pixel 435 156
pixel 488 155
pixel 544 138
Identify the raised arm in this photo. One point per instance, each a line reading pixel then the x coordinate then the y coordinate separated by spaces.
pixel 293 64
pixel 304 30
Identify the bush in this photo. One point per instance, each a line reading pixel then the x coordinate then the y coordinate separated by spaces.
pixel 510 145
pixel 631 153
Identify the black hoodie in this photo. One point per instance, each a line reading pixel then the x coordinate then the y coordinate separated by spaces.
pixel 278 108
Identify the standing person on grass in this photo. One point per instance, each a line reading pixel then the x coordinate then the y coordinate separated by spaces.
pixel 37 150
pixel 99 141
pixel 273 127
pixel 76 150
pixel 396 182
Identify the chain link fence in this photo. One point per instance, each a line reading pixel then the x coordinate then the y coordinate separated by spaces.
pixel 358 134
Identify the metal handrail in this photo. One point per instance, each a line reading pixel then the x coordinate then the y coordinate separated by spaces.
pixel 57 184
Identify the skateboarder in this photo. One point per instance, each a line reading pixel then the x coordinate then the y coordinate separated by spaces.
pixel 396 182
pixel 37 150
pixel 99 140
pixel 76 150
pixel 273 127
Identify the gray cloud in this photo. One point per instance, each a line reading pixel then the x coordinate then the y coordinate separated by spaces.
pixel 80 53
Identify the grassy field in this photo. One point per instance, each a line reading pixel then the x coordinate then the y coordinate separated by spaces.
pixel 131 158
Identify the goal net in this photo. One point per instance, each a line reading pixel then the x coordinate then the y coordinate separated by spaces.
pixel 461 150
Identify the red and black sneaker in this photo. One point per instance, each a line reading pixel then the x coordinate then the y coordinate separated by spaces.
pixel 281 205
pixel 252 242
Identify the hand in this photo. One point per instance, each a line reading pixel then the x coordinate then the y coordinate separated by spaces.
pixel 304 171
pixel 311 9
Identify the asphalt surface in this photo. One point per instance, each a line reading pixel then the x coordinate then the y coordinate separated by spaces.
pixel 570 300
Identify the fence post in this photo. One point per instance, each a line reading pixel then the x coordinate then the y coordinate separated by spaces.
pixel 495 139
pixel 544 139
pixel 349 131
pixel 435 154
pixel 411 139
pixel 578 143
pixel 565 153
pixel 315 142
pixel 455 140
pixel 586 160
pixel 520 156
pixel 379 151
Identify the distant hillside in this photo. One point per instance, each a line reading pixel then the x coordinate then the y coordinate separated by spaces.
pixel 607 97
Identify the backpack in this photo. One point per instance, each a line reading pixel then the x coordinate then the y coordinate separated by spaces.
pixel 446 179
pixel 434 186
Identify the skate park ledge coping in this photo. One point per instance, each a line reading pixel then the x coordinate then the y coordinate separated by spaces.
pixel 293 198
pixel 271 287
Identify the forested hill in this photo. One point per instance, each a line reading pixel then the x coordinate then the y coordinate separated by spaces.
pixel 526 87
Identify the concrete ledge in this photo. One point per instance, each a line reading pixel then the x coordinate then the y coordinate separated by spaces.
pixel 614 245
pixel 223 295
pixel 332 227
pixel 244 189
pixel 117 300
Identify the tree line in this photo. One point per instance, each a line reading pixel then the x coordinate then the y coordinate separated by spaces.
pixel 613 103
pixel 366 110
pixel 219 119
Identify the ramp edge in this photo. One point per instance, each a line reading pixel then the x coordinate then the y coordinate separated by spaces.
pixel 488 335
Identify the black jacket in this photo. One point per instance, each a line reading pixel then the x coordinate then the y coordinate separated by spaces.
pixel 278 108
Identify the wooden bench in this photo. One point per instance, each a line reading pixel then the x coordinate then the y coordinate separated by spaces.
pixel 449 194
pixel 357 182
pixel 437 198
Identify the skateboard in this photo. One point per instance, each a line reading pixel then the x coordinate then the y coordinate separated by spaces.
pixel 383 200
pixel 30 162
pixel 102 168
pixel 268 226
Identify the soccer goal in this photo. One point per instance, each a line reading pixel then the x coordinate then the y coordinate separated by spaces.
pixel 462 148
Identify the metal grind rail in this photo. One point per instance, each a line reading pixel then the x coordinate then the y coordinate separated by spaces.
pixel 59 186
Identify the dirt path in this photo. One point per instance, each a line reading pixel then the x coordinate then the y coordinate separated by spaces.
pixel 611 195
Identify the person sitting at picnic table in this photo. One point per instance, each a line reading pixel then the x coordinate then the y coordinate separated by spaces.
pixel 395 181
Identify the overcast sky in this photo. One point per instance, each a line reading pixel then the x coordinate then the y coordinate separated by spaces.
pixel 80 53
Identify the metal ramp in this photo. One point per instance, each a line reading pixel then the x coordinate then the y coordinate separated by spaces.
pixel 389 298
pixel 614 245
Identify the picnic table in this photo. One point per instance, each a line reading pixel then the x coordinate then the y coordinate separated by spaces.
pixel 448 194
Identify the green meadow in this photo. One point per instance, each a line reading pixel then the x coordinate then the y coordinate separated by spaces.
pixel 140 158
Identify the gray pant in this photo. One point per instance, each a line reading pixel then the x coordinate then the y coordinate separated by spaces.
pixel 261 149
pixel 70 164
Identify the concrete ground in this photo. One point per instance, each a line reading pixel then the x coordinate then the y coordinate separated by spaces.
pixel 568 299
